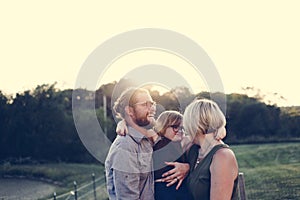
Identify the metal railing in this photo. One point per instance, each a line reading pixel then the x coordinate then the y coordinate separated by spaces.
pixel 87 191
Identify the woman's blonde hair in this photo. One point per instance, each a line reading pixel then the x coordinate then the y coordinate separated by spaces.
pixel 165 119
pixel 203 116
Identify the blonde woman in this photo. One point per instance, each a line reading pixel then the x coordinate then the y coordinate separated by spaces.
pixel 213 166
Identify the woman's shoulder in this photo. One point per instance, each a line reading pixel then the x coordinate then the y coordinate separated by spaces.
pixel 224 157
pixel 224 152
pixel 224 161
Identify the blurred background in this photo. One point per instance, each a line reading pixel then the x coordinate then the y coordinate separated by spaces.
pixel 254 46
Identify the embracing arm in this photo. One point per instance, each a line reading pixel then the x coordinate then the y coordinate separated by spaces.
pixel 224 170
pixel 178 173
pixel 220 133
pixel 187 140
pixel 122 129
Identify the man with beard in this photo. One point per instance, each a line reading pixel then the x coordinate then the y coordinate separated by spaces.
pixel 129 162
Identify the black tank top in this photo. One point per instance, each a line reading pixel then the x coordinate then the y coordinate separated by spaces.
pixel 199 178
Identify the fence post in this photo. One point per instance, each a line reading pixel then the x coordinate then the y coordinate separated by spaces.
pixel 242 188
pixel 94 186
pixel 54 196
pixel 75 189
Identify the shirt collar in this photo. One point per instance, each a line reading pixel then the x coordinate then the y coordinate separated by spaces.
pixel 136 135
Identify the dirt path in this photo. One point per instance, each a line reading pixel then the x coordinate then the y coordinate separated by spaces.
pixel 13 189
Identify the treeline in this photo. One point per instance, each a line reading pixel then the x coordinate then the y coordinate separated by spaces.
pixel 38 125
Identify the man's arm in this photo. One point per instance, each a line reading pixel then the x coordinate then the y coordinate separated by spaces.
pixel 178 173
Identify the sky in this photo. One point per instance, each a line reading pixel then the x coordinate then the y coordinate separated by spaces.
pixel 251 43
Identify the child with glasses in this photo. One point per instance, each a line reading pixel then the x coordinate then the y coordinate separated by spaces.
pixel 168 147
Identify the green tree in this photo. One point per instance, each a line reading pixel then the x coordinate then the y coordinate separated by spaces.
pixel 4 120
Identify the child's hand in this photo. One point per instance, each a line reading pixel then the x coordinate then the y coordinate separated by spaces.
pixel 220 133
pixel 151 133
pixel 122 128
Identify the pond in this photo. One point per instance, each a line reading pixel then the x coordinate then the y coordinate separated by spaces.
pixel 13 188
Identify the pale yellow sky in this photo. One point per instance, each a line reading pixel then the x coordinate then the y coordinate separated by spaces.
pixel 252 43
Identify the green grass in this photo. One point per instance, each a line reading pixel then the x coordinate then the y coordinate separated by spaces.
pixel 271 171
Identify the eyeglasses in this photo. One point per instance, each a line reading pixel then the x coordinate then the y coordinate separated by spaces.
pixel 145 104
pixel 177 128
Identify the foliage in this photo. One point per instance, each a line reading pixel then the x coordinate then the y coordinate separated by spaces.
pixel 249 118
pixel 291 111
pixel 39 124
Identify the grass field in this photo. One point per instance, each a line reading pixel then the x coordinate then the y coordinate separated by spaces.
pixel 272 171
